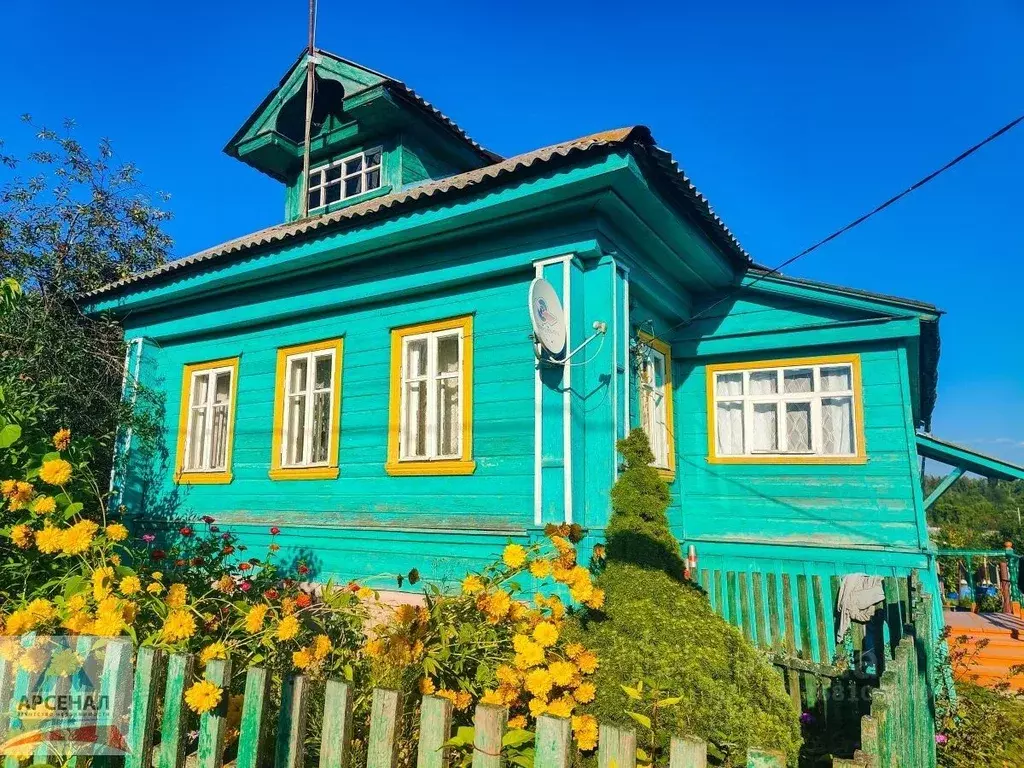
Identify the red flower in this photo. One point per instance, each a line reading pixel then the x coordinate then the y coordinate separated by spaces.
pixel 179 562
pixel 158 554
pixel 245 586
pixel 198 561
pixel 227 550
pixel 226 536
pixel 274 530
pixel 207 519
pixel 271 594
pixel 214 528
pixel 303 600
pixel 244 566
pixel 185 530
pixel 303 569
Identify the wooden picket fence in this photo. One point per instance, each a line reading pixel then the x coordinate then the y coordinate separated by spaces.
pixel 158 737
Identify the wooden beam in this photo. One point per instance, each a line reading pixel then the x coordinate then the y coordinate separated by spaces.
pixel 943 486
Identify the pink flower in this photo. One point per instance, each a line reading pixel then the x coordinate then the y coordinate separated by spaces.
pixel 245 586
pixel 941 738
pixel 149 538
pixel 214 529
pixel 274 530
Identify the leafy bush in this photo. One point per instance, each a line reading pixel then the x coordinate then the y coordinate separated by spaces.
pixel 655 627
pixel 984 729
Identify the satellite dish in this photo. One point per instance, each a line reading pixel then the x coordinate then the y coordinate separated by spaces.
pixel 546 316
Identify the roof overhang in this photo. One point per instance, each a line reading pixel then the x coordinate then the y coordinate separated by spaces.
pixel 967 459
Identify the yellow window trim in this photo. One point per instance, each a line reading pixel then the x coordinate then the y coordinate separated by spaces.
pixel 858 410
pixel 669 472
pixel 330 471
pixel 464 465
pixel 222 477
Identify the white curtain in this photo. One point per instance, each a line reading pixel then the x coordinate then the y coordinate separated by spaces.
pixel 837 425
pixel 836 379
pixel 729 429
pixel 798 427
pixel 766 427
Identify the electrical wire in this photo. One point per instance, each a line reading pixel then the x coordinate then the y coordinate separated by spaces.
pixel 858 221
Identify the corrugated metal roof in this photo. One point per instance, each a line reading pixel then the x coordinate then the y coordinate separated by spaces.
pixel 637 138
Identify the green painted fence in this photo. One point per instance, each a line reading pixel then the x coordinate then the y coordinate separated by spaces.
pixel 163 741
pixel 1001 567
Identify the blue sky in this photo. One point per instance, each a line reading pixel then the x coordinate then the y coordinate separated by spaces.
pixel 792 118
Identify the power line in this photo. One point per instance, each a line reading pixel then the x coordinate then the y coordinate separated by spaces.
pixel 858 221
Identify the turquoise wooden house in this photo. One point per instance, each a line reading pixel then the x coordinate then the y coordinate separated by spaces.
pixel 364 375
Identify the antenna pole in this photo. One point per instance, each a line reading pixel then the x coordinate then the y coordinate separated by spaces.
pixel 310 76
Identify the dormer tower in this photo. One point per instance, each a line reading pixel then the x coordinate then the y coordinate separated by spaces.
pixel 370 135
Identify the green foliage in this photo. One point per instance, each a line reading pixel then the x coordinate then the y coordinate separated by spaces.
pixel 70 221
pixel 985 729
pixel 976 513
pixel 658 628
pixel 648 712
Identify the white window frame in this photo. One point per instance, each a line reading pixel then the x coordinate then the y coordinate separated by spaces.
pixel 212 374
pixel 310 391
pixel 781 399
pixel 432 379
pixel 363 171
pixel 651 408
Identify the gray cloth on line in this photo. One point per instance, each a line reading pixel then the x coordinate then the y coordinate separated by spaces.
pixel 858 596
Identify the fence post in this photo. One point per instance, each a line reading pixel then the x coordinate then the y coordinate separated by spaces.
pixel 254 717
pixel 435 729
pixel 765 758
pixel 688 752
pixel 213 725
pixel 149 665
pixel 616 748
pixel 336 733
pixel 385 726
pixel 489 730
pixel 291 723
pixel 172 729
pixel 552 742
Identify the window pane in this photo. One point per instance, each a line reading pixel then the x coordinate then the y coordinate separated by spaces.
pixel 314 178
pixel 373 179
pixel 448 417
pixel 313 201
pixel 729 428
pixel 837 379
pixel 296 437
pixel 729 384
pixel 323 372
pixel 373 158
pixel 320 448
pixel 800 380
pixel 333 174
pixel 223 388
pixel 416 358
pixel 448 354
pixel 354 165
pixel 197 438
pixel 798 426
pixel 836 425
pixel 333 193
pixel 415 427
pixel 353 186
pixel 219 438
pixel 200 389
pixel 764 383
pixel 297 369
pixel 766 427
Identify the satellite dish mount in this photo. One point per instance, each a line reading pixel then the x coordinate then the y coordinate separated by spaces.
pixel 548 320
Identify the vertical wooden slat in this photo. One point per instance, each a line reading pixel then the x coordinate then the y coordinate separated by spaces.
pixel 551 742
pixel 793 677
pixel 763 638
pixel 149 667
pixel 172 727
pixel 733 604
pixel 824 619
pixel 717 601
pixel 254 717
pixel 893 614
pixel 806 649
pixel 336 733
pixel 291 723
pixel 765 758
pixel 213 725
pixel 435 729
pixel 705 581
pixel 616 747
pixel 778 633
pixel 385 726
pixel 489 730
pixel 6 692
pixel 745 616
pixel 116 684
pixel 688 752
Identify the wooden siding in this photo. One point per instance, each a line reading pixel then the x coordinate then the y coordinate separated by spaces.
pixel 476 513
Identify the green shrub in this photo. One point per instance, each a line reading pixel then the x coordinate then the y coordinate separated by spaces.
pixel 984 729
pixel 656 627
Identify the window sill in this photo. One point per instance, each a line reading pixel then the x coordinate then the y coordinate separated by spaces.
pixel 801 459
pixel 668 475
pixel 204 478
pixel 450 467
pixel 304 473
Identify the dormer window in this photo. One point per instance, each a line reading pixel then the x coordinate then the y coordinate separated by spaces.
pixel 345 178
